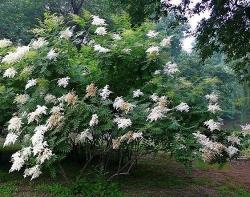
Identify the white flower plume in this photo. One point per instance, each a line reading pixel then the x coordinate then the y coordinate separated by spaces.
pixel 101 31
pixel 66 34
pixel 153 50
pixel 182 107
pixel 94 120
pixel 10 73
pixel 63 82
pixel 52 54
pixel 16 56
pixel 5 43
pixel 152 34
pixel 30 83
pixel 137 93
pixel 98 21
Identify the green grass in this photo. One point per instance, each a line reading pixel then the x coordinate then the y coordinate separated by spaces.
pixel 246 152
pixel 8 189
pixel 54 189
pixel 234 191
pixel 205 166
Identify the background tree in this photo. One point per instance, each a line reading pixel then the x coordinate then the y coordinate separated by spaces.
pixel 226 31
pixel 18 17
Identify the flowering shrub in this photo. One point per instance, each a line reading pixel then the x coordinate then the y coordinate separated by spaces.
pixel 107 90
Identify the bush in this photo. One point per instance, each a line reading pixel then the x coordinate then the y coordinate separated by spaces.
pixel 65 106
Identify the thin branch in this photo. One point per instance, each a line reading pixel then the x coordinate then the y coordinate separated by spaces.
pixel 84 167
pixel 123 173
pixel 64 173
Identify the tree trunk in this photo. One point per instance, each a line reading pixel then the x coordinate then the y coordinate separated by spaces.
pixel 76 6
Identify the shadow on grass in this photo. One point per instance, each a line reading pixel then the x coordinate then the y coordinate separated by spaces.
pixel 155 176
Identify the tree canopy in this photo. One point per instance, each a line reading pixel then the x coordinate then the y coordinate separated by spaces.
pixel 225 31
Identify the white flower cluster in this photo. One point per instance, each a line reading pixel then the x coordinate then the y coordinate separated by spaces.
pixel 66 34
pixel 123 123
pixel 105 92
pixel 10 139
pixel 49 98
pixel 137 93
pixel 15 124
pixel 85 135
pixel 39 149
pixel 16 56
pixel 213 106
pixel 120 104
pixel 152 34
pixel 153 50
pixel 182 107
pixel 52 54
pixel 34 116
pixel 94 120
pixel 101 49
pixel 245 129
pixel 127 137
pixel 39 43
pixel 233 140
pixel 18 159
pixel 30 83
pixel 81 138
pixel 101 31
pixel 160 110
pixel 212 125
pixel 116 36
pixel 21 98
pixel 166 42
pixel 210 149
pixel 34 172
pixel 98 21
pixel 212 98
pixel 170 68
pixel 154 97
pixel 231 150
pixel 63 82
pixel 5 43
pixel 10 73
pixel 43 153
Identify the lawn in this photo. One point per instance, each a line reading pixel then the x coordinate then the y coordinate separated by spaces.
pixel 155 175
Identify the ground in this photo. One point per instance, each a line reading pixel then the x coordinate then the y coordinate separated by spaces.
pixel 154 176
pixel 162 177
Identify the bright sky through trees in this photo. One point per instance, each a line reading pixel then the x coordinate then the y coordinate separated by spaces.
pixel 187 43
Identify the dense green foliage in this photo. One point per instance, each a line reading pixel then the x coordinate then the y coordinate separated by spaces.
pixel 17 18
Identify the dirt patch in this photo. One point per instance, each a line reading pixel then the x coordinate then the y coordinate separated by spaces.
pixel 160 177
pixel 238 172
